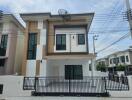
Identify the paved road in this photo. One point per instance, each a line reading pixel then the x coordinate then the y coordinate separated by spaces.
pixel 63 98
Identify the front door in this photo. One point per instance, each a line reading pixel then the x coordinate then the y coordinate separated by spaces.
pixel 73 72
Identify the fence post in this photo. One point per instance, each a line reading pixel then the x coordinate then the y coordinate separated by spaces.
pixel 35 83
pixel 129 83
pixel 105 84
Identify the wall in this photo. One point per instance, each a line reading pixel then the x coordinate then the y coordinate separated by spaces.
pixel 11 29
pixel 11 50
pixel 31 68
pixel 19 52
pixel 13 86
pixel 57 67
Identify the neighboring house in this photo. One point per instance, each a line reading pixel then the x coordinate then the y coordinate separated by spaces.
pixel 120 58
pixel 11 45
pixel 102 61
pixel 117 58
pixel 55 46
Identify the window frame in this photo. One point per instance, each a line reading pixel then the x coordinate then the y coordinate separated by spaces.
pixel 127 58
pixel 3 44
pixel 122 60
pixel 34 46
pixel 72 72
pixel 62 44
pixel 80 41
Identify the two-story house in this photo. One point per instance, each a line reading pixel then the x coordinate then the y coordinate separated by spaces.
pixel 56 56
pixel 11 45
pixel 55 46
pixel 121 58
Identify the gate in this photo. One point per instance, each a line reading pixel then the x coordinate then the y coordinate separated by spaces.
pixel 56 86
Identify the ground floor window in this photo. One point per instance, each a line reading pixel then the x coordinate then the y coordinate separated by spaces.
pixel 73 72
pixel 2 62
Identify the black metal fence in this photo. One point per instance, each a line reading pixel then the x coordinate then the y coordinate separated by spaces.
pixel 87 85
pixel 29 83
pixel 59 84
pixel 116 83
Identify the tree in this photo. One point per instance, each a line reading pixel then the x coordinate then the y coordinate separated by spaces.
pixel 101 67
pixel 120 68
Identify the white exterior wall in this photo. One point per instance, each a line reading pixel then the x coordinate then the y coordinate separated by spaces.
pixel 43 67
pixel 31 68
pixel 13 86
pixel 57 67
pixel 71 43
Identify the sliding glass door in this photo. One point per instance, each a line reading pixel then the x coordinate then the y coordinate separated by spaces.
pixel 73 72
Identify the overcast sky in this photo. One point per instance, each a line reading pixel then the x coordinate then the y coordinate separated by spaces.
pixel 108 21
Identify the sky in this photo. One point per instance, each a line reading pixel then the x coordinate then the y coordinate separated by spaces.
pixel 108 22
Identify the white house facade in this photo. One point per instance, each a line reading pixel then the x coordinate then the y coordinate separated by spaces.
pixel 55 47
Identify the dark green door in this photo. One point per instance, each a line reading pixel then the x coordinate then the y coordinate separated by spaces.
pixel 73 72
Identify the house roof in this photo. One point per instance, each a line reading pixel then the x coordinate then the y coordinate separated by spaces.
pixel 12 18
pixel 45 16
pixel 127 50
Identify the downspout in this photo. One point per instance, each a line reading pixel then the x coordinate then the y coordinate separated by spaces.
pixel 47 31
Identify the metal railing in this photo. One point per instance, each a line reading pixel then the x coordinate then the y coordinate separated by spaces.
pixel 29 83
pixel 86 85
pixel 116 83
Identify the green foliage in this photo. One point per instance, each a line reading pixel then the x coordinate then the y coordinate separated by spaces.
pixel 101 67
pixel 120 68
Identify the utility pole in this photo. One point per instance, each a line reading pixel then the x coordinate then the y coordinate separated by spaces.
pixel 94 39
pixel 129 15
pixel 94 60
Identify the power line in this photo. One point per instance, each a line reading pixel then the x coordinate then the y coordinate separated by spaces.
pixel 121 38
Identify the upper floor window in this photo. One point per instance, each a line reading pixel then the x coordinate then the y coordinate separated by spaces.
pixel 3 45
pixel 122 59
pixel 32 44
pixel 60 41
pixel 116 60
pixel 127 59
pixel 110 61
pixel 81 39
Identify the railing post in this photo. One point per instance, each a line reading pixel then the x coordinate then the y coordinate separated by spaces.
pixel 24 83
pixel 69 85
pixel 35 83
pixel 105 81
